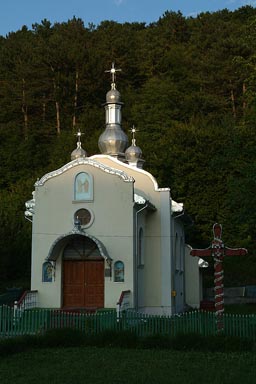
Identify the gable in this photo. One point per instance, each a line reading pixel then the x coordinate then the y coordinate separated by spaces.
pixel 88 186
pixel 85 161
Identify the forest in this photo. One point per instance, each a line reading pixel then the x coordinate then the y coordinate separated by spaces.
pixel 188 85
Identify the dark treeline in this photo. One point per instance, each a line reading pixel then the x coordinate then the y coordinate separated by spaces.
pixel 189 86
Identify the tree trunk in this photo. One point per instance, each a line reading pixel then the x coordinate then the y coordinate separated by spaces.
pixel 24 109
pixel 44 109
pixel 244 102
pixel 233 102
pixel 75 101
pixel 57 104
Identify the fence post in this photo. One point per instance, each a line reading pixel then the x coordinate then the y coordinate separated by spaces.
pixel 118 312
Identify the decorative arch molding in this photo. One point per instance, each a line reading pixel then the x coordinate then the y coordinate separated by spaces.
pixel 85 161
pixel 60 243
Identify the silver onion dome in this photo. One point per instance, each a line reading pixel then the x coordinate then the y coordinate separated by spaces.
pixel 79 151
pixel 113 141
pixel 113 96
pixel 133 154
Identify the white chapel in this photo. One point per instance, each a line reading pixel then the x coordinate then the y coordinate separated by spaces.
pixel 102 227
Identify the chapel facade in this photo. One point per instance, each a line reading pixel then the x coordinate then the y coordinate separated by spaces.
pixel 101 226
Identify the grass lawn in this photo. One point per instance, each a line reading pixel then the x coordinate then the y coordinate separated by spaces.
pixel 133 366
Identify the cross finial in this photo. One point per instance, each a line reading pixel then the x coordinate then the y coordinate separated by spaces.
pixel 133 131
pixel 78 134
pixel 113 71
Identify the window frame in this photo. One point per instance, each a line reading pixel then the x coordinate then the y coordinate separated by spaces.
pixel 122 279
pixel 87 195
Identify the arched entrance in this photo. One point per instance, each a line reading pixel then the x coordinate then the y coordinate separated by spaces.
pixel 83 269
pixel 83 274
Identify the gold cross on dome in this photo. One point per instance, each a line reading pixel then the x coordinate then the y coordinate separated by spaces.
pixel 113 71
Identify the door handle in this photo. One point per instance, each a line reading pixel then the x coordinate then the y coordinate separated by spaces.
pixel 85 284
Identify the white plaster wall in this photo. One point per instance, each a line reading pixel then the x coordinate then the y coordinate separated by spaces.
pixel 192 278
pixel 49 294
pixel 119 249
pixel 157 266
pixel 178 266
pixel 113 226
pixel 140 258
pixel 166 257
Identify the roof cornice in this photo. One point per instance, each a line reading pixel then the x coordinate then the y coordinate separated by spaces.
pixel 85 161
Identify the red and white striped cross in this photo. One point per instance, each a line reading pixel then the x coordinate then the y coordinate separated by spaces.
pixel 218 251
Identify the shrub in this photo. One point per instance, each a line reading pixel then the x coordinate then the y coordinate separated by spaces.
pixel 63 337
pixel 68 337
pixel 18 344
pixel 157 341
pixel 188 342
pixel 112 338
pixel 218 343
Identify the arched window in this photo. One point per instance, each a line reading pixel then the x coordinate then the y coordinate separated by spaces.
pixel 83 188
pixel 47 272
pixel 119 272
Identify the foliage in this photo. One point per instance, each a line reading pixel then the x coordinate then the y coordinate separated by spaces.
pixel 188 85
pixel 68 337
pixel 219 343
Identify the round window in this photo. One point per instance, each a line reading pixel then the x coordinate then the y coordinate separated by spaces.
pixel 84 216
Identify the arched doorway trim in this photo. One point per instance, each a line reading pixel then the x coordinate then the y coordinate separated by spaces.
pixel 60 243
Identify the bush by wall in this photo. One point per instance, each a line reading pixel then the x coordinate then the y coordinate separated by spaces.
pixel 63 338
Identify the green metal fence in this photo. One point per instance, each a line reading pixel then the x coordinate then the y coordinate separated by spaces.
pixel 14 322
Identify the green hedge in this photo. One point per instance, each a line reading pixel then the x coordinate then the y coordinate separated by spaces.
pixel 62 338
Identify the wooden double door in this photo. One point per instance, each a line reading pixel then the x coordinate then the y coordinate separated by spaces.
pixel 83 284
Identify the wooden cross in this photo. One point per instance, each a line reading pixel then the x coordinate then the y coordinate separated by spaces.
pixel 218 250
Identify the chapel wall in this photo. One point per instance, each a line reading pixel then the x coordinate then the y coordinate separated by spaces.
pixel 112 208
